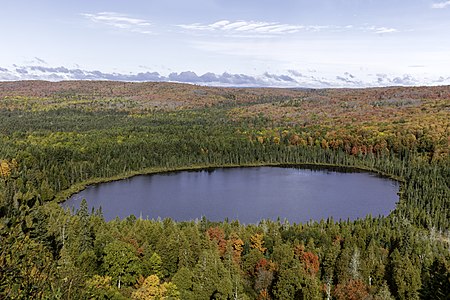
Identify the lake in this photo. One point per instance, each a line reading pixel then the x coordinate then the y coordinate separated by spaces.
pixel 245 194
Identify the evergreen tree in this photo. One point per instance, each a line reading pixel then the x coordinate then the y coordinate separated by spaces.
pixel 121 263
pixel 211 280
pixel 405 277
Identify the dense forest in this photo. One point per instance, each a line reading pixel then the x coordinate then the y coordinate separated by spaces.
pixel 57 138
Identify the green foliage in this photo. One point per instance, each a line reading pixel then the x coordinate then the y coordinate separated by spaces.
pixel 56 142
pixel 183 280
pixel 437 283
pixel 154 265
pixel 121 263
pixel 26 267
pixel 211 280
pixel 100 287
pixel 405 277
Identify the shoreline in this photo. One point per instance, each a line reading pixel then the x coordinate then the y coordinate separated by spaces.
pixel 78 187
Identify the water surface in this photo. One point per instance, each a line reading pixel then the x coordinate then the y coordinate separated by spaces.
pixel 245 194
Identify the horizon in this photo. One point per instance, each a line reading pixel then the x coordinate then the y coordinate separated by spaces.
pixel 294 44
pixel 222 86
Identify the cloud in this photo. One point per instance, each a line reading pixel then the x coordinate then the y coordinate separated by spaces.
pixel 270 29
pixel 378 29
pixel 63 73
pixel 404 80
pixel 295 73
pixel 240 79
pixel 291 79
pixel 120 21
pixel 21 71
pixel 34 72
pixel 245 27
pixel 40 60
pixel 285 78
pixel 440 5
pixel 442 80
pixel 187 76
pixel 48 69
pixel 228 79
pixel 8 77
pixel 350 79
pixel 383 30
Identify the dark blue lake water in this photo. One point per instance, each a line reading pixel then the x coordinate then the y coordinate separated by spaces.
pixel 246 194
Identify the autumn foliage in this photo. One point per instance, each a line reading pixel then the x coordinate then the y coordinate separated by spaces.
pixel 6 167
pixel 57 138
pixel 351 290
pixel 237 246
pixel 310 260
pixel 217 235
pixel 257 242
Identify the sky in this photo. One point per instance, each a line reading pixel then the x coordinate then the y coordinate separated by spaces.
pixel 281 43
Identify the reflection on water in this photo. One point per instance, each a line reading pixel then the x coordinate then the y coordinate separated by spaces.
pixel 246 194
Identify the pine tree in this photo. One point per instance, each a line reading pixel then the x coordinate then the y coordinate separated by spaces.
pixel 405 277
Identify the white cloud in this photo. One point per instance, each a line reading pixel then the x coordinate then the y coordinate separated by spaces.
pixel 270 29
pixel 120 21
pixel 289 78
pixel 378 29
pixel 245 28
pixel 441 4
pixel 384 30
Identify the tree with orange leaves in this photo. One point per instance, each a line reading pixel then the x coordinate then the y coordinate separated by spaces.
pixel 238 247
pixel 264 271
pixel 310 260
pixel 216 234
pixel 354 289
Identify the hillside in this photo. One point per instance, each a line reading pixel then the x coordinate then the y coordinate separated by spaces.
pixel 58 137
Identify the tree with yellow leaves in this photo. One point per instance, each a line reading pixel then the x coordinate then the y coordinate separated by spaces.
pixel 258 242
pixel 101 287
pixel 152 289
pixel 237 246
pixel 5 169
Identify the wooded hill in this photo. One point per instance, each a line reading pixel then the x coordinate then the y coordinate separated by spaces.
pixel 55 138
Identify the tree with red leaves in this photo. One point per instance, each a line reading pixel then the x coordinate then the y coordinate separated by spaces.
pixel 309 259
pixel 352 290
pixel 217 234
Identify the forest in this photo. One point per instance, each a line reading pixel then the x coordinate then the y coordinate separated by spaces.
pixel 57 138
